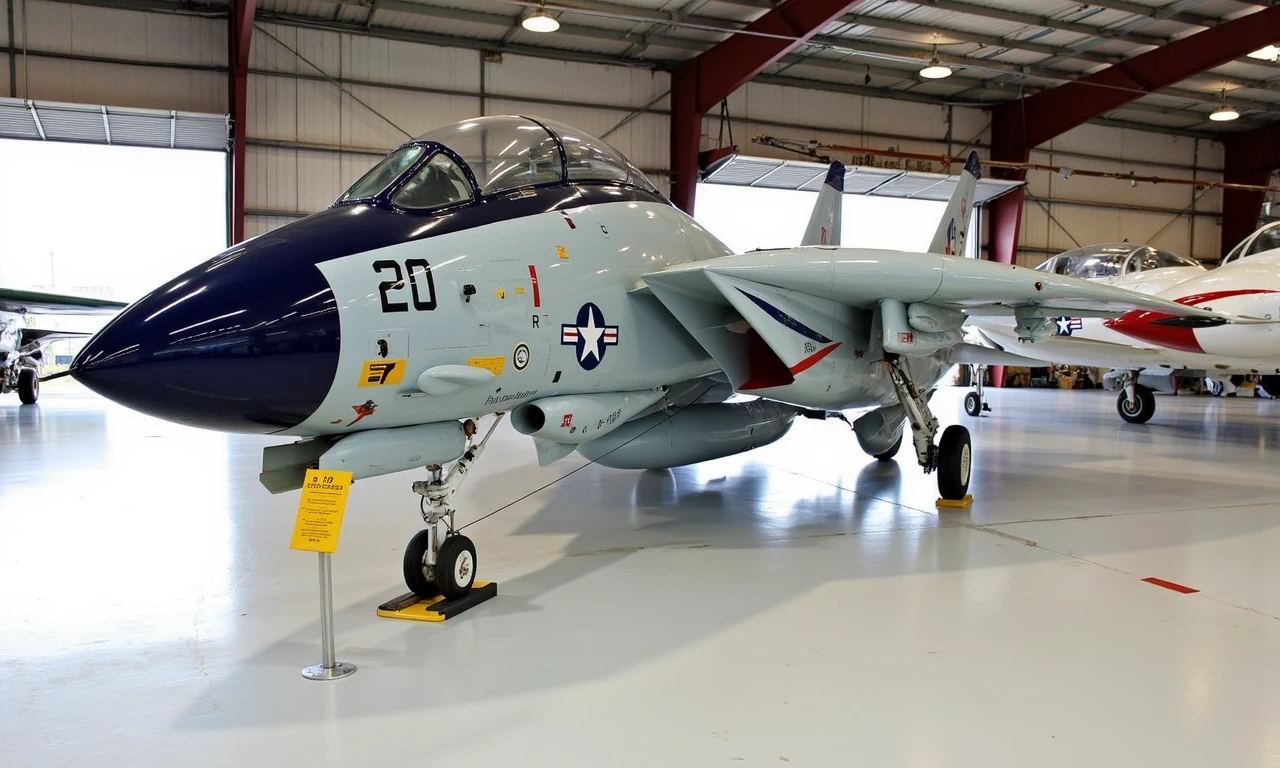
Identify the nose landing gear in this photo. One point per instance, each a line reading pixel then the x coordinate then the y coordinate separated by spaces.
pixel 438 559
pixel 974 403
pixel 952 456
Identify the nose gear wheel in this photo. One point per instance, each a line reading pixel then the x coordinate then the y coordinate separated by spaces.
pixel 438 560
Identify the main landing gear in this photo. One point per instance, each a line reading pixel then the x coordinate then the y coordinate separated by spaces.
pixel 952 456
pixel 438 559
pixel 974 404
pixel 1136 404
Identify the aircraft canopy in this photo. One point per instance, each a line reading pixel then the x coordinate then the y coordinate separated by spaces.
pixel 502 153
pixel 1265 239
pixel 1113 260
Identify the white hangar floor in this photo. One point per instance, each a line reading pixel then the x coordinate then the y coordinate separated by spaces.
pixel 801 605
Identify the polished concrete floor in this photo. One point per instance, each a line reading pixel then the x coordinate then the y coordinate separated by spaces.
pixel 798 605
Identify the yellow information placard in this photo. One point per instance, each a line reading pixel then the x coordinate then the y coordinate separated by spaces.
pixel 320 510
pixel 376 373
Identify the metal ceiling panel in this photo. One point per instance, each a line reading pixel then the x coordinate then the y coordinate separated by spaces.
pixel 88 124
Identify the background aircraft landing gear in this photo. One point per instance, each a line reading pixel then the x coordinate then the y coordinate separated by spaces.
pixel 974 403
pixel 952 458
pixel 1136 403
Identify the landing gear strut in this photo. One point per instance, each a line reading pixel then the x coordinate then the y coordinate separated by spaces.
pixel 974 404
pixel 952 456
pixel 1136 404
pixel 438 559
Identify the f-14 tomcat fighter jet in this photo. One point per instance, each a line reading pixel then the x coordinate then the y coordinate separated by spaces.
pixel 22 345
pixel 517 265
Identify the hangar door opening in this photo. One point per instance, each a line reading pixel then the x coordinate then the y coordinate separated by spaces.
pixel 107 202
pixel 755 202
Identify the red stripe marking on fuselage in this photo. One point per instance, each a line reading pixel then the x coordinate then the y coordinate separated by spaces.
pixel 533 278
pixel 813 359
pixel 1170 585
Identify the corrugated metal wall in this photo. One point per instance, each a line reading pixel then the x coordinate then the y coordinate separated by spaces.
pixel 309 137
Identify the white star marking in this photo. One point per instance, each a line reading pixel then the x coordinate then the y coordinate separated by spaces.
pixel 590 337
pixel 1064 326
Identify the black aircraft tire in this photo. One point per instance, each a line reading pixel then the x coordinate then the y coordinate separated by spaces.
pixel 456 566
pixel 972 404
pixel 415 567
pixel 892 451
pixel 28 386
pixel 1141 411
pixel 955 463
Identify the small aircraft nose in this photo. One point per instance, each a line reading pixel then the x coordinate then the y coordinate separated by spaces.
pixel 246 342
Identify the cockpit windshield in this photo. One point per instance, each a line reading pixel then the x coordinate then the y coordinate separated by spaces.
pixel 1265 239
pixel 381 176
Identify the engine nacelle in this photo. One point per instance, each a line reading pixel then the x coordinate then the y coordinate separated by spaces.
pixel 695 434
pixel 901 338
pixel 575 419
pixel 930 318
pixel 878 430
pixel 383 451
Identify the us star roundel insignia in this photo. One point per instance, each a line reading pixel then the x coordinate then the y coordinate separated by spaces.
pixel 589 336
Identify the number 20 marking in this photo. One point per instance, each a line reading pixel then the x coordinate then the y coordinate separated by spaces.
pixel 414 267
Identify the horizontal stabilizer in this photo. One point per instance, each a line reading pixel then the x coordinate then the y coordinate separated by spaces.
pixel 41 303
pixel 46 335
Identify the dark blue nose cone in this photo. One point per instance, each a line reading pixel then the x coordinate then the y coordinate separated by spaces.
pixel 247 342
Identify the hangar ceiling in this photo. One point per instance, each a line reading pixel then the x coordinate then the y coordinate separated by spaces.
pixel 998 49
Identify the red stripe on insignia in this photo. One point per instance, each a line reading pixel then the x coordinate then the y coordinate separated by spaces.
pixel 533 278
pixel 813 359
pixel 1170 585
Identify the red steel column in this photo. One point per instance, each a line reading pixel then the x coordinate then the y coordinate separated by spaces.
pixel 239 35
pixel 702 82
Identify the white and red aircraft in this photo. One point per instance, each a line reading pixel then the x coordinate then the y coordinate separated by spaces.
pixel 1144 348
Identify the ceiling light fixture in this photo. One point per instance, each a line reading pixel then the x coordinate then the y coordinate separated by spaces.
pixel 936 69
pixel 540 20
pixel 1225 112
pixel 1270 53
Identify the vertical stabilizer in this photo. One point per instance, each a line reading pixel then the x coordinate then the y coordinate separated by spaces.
pixel 824 222
pixel 949 239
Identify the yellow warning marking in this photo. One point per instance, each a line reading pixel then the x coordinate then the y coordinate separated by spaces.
pixel 377 373
pixel 964 503
pixel 320 510
pixel 519 290
pixel 562 252
pixel 492 364
pixel 422 610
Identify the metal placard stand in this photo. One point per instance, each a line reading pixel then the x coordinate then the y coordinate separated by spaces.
pixel 329 668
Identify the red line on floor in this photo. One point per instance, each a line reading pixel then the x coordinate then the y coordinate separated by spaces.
pixel 1170 585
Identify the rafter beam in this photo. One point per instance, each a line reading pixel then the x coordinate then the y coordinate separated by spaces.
pixel 1029 122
